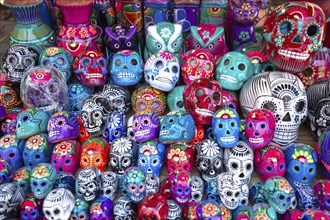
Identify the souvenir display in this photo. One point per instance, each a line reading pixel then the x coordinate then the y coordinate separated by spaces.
pixel 213 12
pixel 148 99
pixel 77 94
pixel 179 157
pixel 88 183
pixel 306 198
pixel 22 178
pixel 43 177
pixel 11 149
pixel 101 208
pixel 124 208
pixel 146 126
pixel 133 184
pixel 322 192
pixel 153 206
pixel 118 97
pixel 30 209
pixel 175 98
pixel 109 185
pixel 11 197
pixel 9 97
pixel 80 209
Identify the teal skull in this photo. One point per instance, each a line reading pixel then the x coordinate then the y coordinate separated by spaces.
pixel 43 177
pixel 175 99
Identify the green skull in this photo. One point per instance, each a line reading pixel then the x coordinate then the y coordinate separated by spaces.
pixel 175 99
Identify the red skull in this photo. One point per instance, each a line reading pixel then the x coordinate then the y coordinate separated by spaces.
pixel 165 188
pixel 202 98
pixel 179 157
pixel 153 206
pixel 83 134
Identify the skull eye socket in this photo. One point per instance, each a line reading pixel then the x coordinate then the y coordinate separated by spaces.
pixel 232 124
pixel 312 30
pixel 281 197
pixel 159 46
pixel 241 67
pixel 113 161
pixel 296 168
pixel 146 121
pixel 300 106
pixel 8 97
pixel 43 184
pixel 237 194
pixel 207 66
pixel 263 126
pixel 102 63
pixel 269 168
pixel 159 64
pixel 97 114
pixel 134 62
pixel 234 165
pixel 175 69
pixel 197 46
pixel 248 166
pixel 52 88
pixel 216 96
pixel 86 62
pixel 25 117
pixel 229 193
pixel 60 61
pixel 28 61
pixel 269 106
pixel 226 62
pixel 220 125
pixel 67 161
pixel 155 105
pixel 142 106
pixel 46 63
pixel 193 62
pixel 250 125
pixel 179 104
pixel 285 27
pixel 60 123
pixel 47 213
pixel 12 59
pixel 143 161
pixel 311 170
pixel 118 62
pixel 199 93
pixel 56 211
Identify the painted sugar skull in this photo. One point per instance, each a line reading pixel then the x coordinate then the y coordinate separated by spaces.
pixel 101 208
pixel 164 37
pixel 6 171
pixel 95 114
pixel 88 183
pixel 175 98
pixel 176 126
pixel 293 34
pixel 209 209
pixel 226 127
pixel 58 204
pixel 314 214
pixel 209 159
pixel 174 210
pixel 151 157
pixel 8 125
pixel 121 37
pixel 233 70
pixel 95 153
pixel 31 121
pixel 109 185
pixel 17 60
pixel 133 184
pixel 153 206
pixel 37 150
pixel 180 186
pixel 202 98
pixel 30 209
pixel 77 93
pixel 152 184
pixel 211 190
pixel 22 178
pixel 66 156
pixel 278 193
pixel 42 180
pixel 148 99
pixel 197 189
pixel 126 68
pixel 80 209
pixel 208 37
pixel 284 95
pixel 83 134
pixel 9 97
pixel 301 160
pixel 118 98
pixel 11 149
pixel 256 195
pixel 11 197
pixel 270 161
pixel 179 157
pixel 122 155
pixel 116 128
pixel 239 160
pixel 322 191
pixel 162 71
pixel 146 126
pixel 124 208
pixel 130 132
pixel 263 210
pixel 66 181
pixel 322 148
pixel 62 126
pixel 232 192
pixel 91 68
pixel 259 128
pixel 306 198
pixel 318 115
pixel 197 64
pixel 44 88
pixel 59 58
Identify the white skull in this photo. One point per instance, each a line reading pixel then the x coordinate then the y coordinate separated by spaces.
pixel 197 188
pixel 239 160
pixel 58 204
pixel 152 184
pixel 174 210
pixel 88 183
pixel 11 196
pixel 109 185
pixel 283 94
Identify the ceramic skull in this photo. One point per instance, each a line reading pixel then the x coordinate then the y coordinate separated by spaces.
pixel 118 98
pixel 77 93
pixel 91 68
pixel 66 181
pixel 31 121
pixel 293 33
pixel 17 60
pixel 197 188
pixel 209 159
pixel 80 209
pixel 95 114
pixel 11 197
pixel 11 149
pixel 22 178
pixel 175 98
pixel 179 157
pixel 88 183
pixel 130 132
pixel 239 160
pixel 133 184
pixel 153 206
pixel 230 100
pixel 126 68
pixel 42 180
pixel 6 171
pixel 124 209
pixel 152 184
pixel 211 190
pixel 116 128
pixel 109 185
pixel 8 124
pixel 31 209
pixel 58 204
pixel 306 198
pixel 101 208
pixel 256 195
pixel 146 126
pixel 180 187
pixel 322 191
pixel 284 95
pixel 162 71
pixel 198 136
pixel 174 210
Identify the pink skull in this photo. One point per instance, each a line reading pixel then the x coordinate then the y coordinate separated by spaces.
pixel 179 157
pixel 322 190
pixel 270 161
pixel 66 156
pixel 180 187
pixel 259 128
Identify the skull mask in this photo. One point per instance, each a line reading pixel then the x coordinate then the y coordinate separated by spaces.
pixel 58 204
pixel 322 191
pixel 42 179
pixel 11 196
pixel 197 188
pixel 133 184
pixel 293 33
pixel 126 68
pixel 91 68
pixel 179 157
pixel 180 187
pixel 109 185
pixel 124 209
pixel 101 208
pixel 118 98
pixel 209 159
pixel 202 98
pixel 17 60
pixel 154 206
pixel 88 183
pixel 284 95
pixel 232 192
pixel 22 178
pixel 116 127
pixel 11 149
pixel 80 209
pixel 146 126
pixel 306 198
pixel 77 94
pixel 175 98
pixel 9 97
pixel 162 71
pixel 239 161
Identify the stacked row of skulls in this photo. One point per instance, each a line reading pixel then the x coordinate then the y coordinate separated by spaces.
pixel 70 113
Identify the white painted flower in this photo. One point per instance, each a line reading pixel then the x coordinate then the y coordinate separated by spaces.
pixel 210 148
pixel 166 33
pixel 114 121
pixel 121 145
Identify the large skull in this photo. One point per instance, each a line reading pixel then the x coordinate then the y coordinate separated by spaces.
pixel 31 208
pixel 58 204
pixel 88 183
pixel 284 95
pixel 118 97
pixel 11 196
pixel 180 187
pixel 22 178
pixel 133 184
pixel 179 157
pixel 121 37
pixel 146 126
pixel 43 177
pixel 109 185
pixel 80 209
pixel 11 149
pixel 293 33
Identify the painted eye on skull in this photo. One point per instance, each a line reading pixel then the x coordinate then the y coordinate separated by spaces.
pixel 159 64
pixel 116 46
pixel 129 44
pixel 211 46
pixel 203 165
pixel 269 106
pixel 179 104
pixel 197 46
pixel 216 96
pixel 28 61
pixel 12 59
pixel 300 106
pixel 86 61
pixel 155 105
pixel 193 62
pixel 46 63
pixel 313 30
pixel 226 62
pixel 217 163
pixel 60 61
pixel 101 63
pixel 234 165
pixel 52 88
pixel 199 92
pixel 134 62
pixel 118 62
pixel 159 46
pixel 97 115
pixel 207 66
pixel 113 162
pixel 248 166
pixel 241 67
pixel 126 162
pixel 175 69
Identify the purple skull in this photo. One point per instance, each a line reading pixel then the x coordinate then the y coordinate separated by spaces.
pixel 9 123
pixel 62 126
pixel 322 190
pixel 181 186
pixel 146 126
pixel 101 209
pixel 30 209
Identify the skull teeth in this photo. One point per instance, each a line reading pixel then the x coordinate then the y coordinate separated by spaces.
pixel 203 111
pixel 20 129
pixel 228 78
pixel 231 205
pixel 182 201
pixel 141 133
pixel 164 132
pixel 125 75
pixel 92 129
pixel 53 133
pixel 295 55
pixel 256 140
pixel 137 198
pixel 164 80
pixel 94 75
pixel 227 139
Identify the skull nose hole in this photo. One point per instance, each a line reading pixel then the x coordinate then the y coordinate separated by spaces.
pixel 227 132
pixel 241 175
pixel 232 68
pixel 149 170
pixel 60 169
pixel 208 100
pixel 308 72
pixel 304 178
pixel 125 67
pixel 297 39
pixel 287 117
pixel 256 133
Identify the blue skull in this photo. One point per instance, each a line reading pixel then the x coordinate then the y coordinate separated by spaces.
pixel 177 126
pixel 301 160
pixel 255 193
pixel 11 149
pixel 226 127
pixel 22 178
pixel 80 209
pixel 43 177
pixel 151 157
pixel 211 190
pixel 306 198
pixel 65 180
pixel 126 68
pixel 77 93
pixel 133 184
pixel 116 128
pixel 37 149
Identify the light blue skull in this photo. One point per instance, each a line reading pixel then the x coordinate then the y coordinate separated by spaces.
pixel 126 68
pixel 77 93
pixel 43 177
pixel 116 128
pixel 175 98
pixel 177 126
pixel 151 157
pixel 80 209
pixel 226 127
pixel 133 184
